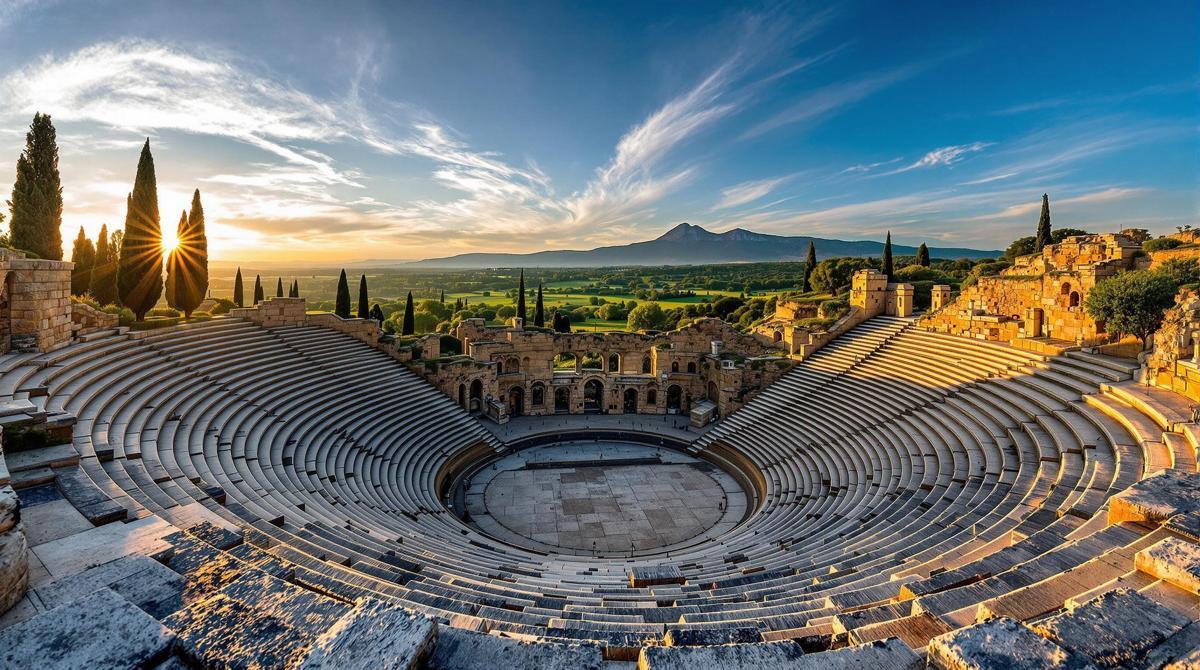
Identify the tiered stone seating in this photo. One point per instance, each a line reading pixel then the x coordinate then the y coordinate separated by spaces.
pixel 915 486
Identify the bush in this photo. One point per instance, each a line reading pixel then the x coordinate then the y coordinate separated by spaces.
pixel 163 311
pixel 1180 271
pixel 833 309
pixel 1162 244
pixel 221 306
pixel 1132 303
pixel 647 316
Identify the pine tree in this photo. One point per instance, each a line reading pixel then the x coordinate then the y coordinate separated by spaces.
pixel 364 309
pixel 539 310
pixel 258 289
pixel 37 201
pixel 139 272
pixel 887 257
pixel 191 259
pixel 377 313
pixel 1043 229
pixel 409 325
pixel 341 306
pixel 83 255
pixel 175 283
pixel 279 287
pixel 810 264
pixel 103 283
pixel 237 289
pixel 923 255
pixel 521 298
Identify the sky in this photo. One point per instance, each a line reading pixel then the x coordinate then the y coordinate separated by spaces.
pixel 394 130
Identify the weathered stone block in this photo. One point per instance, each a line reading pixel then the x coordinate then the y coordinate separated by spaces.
pixel 373 636
pixel 999 643
pixel 1174 560
pixel 1114 629
pixel 459 649
pixel 14 567
pixel 1157 498
pixel 778 655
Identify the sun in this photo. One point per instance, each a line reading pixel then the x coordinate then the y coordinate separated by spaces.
pixel 170 242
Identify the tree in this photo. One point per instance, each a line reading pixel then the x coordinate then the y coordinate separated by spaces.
pixel 1132 303
pixel 37 201
pixel 377 313
pixel 647 316
pixel 83 255
pixel 810 264
pixel 562 323
pixel 443 298
pixel 139 272
pixel 521 298
pixel 192 259
pixel 258 289
pixel 833 274
pixel 726 306
pixel 539 310
pixel 238 299
pixel 923 255
pixel 409 326
pixel 174 267
pixel 1043 229
pixel 364 308
pixel 1022 246
pixel 103 282
pixel 294 289
pixel 342 304
pixel 888 269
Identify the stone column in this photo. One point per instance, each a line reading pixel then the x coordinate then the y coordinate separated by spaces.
pixel 904 299
pixel 940 297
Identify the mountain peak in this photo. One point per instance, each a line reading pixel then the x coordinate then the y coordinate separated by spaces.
pixel 686 232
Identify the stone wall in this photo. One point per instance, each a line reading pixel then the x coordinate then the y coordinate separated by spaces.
pixel 35 303
pixel 1174 362
pixel 87 319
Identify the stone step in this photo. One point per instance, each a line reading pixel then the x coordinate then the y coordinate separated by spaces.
pixel 1173 560
pixel 373 636
pixel 1114 630
pixel 54 456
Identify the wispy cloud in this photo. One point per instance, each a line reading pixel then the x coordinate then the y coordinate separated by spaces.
pixel 944 156
pixel 747 192
pixel 1025 209
pixel 862 168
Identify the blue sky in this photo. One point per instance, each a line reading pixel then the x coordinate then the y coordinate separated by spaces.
pixel 398 130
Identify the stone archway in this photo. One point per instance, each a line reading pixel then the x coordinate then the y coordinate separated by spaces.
pixel 674 399
pixel 516 401
pixel 713 394
pixel 476 404
pixel 593 397
pixel 462 396
pixel 631 401
pixel 562 400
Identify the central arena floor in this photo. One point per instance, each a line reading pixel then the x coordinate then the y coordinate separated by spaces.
pixel 583 505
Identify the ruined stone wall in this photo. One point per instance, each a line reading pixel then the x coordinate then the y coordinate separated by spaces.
pixel 87 319
pixel 35 303
pixel 1174 362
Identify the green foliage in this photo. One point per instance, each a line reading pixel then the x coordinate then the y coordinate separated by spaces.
pixel 102 284
pixel 221 306
pixel 539 310
pixel 506 312
pixel 647 316
pixel 1043 229
pixel 174 265
pixel 913 273
pixel 450 345
pixel 1162 244
pixel 888 267
pixel 258 289
pixel 409 327
pixel 1180 271
pixel 37 201
pixel 238 298
pixel 923 255
pixel 342 307
pixel 810 264
pixel 1132 303
pixel 835 308
pixel 521 297
pixel 192 264
pixel 726 306
pixel 833 275
pixel 1022 246
pixel 139 272
pixel 83 255
pixel 364 307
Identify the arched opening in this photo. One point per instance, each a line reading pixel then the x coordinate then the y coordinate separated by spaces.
pixel 562 399
pixel 593 397
pixel 1066 288
pixel 538 394
pixel 513 365
pixel 476 396
pixel 777 336
pixel 462 396
pixel 691 367
pixel 630 401
pixel 499 367
pixel 565 362
pixel 614 363
pixel 674 366
pixel 516 401
pixel 713 394
pixel 674 399
pixel 652 397
pixel 1073 301
pixel 592 361
pixel 646 365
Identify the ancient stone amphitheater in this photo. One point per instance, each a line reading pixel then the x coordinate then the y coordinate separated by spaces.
pixel 237 496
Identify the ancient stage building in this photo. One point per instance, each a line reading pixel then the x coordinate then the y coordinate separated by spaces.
pixel 513 371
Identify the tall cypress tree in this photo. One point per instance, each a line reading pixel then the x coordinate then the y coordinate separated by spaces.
pixel 279 287
pixel 409 325
pixel 103 282
pixel 295 290
pixel 238 298
pixel 521 298
pixel 810 264
pixel 176 285
pixel 341 305
pixel 887 257
pixel 139 272
pixel 258 290
pixel 923 255
pixel 539 310
pixel 443 300
pixel 377 313
pixel 83 255
pixel 191 259
pixel 1043 229
pixel 364 308
pixel 37 201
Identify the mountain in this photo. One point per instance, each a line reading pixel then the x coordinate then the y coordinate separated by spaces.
pixel 686 244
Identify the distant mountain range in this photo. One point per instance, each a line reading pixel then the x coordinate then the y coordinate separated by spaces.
pixel 686 244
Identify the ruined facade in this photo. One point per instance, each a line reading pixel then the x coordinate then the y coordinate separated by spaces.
pixel 35 303
pixel 1038 303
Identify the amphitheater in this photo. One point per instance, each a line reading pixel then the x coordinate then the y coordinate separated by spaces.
pixel 231 494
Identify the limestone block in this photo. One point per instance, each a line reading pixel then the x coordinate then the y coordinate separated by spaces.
pixel 14 567
pixel 10 507
pixel 143 581
pixel 102 630
pixel 1191 661
pixel 779 655
pixel 1174 560
pixel 459 649
pixel 1114 629
pixel 1157 498
pixel 373 635
pixel 999 643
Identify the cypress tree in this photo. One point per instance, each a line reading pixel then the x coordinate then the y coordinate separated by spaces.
pixel 810 264
pixel 258 289
pixel 191 259
pixel 923 255
pixel 139 272
pixel 294 289
pixel 539 310
pixel 521 298
pixel 887 257
pixel 409 325
pixel 175 287
pixel 1043 229
pixel 377 313
pixel 279 287
pixel 341 306
pixel 443 300
pixel 103 282
pixel 37 201
pixel 364 309
pixel 237 289
pixel 83 255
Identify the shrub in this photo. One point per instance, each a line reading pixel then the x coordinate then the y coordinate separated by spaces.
pixel 1132 303
pixel 163 311
pixel 1162 244
pixel 221 306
